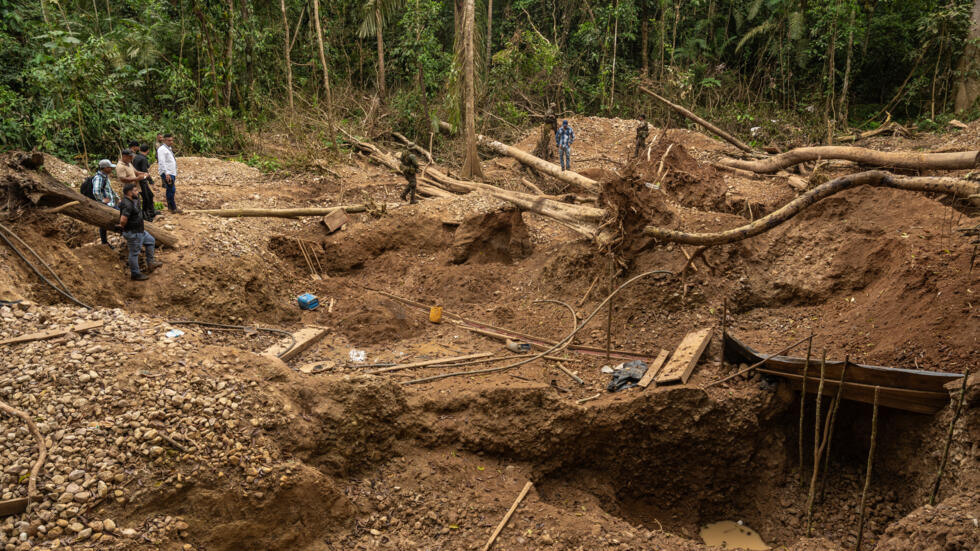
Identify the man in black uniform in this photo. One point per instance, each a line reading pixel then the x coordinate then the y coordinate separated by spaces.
pixel 642 132
pixel 131 221
pixel 409 166
pixel 551 118
pixel 142 164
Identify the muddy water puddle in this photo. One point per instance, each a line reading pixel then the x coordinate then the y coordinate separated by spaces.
pixel 728 534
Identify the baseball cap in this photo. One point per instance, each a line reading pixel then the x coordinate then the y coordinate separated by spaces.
pixel 106 163
pixel 126 153
pixel 564 121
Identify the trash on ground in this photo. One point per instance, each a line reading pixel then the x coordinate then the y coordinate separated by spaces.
pixel 628 376
pixel 357 356
pixel 518 347
pixel 174 333
pixel 307 301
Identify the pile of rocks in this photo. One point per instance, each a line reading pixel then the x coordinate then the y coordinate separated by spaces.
pixel 126 413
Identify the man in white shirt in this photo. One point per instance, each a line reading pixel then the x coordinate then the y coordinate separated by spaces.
pixel 167 166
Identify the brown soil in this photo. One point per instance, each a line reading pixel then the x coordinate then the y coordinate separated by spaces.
pixel 360 461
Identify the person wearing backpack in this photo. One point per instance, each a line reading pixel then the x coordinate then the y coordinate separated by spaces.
pixel 102 192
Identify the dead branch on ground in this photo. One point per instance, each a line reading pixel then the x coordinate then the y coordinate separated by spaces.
pixel 684 112
pixel 960 160
pixel 950 186
pixel 42 449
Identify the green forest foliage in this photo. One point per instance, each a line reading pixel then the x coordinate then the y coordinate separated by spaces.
pixel 78 79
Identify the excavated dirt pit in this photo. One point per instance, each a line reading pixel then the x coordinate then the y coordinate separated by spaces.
pixel 343 459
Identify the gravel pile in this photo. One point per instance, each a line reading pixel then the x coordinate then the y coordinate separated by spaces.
pixel 126 412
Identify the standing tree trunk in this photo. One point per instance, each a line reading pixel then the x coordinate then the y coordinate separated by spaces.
pixel 286 48
pixel 471 163
pixel 229 52
pixel 673 39
pixel 326 74
pixel 612 85
pixel 644 41
pixel 844 91
pixel 381 50
pixel 662 36
pixel 829 113
pixel 489 37
pixel 968 85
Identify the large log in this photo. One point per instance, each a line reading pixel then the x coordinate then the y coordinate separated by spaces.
pixel 960 160
pixel 278 213
pixel 724 135
pixel 540 165
pixel 963 189
pixel 44 191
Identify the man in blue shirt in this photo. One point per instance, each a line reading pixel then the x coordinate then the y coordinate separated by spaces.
pixel 563 139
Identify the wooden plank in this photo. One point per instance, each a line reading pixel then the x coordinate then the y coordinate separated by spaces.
pixel 682 363
pixel 437 361
pixel 917 401
pixel 305 338
pixel 931 381
pixel 335 220
pixel 653 369
pixel 79 328
pixel 13 506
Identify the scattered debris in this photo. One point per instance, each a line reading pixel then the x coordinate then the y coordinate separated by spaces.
pixel 628 376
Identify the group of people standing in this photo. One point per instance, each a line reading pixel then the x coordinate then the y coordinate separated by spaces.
pixel 136 204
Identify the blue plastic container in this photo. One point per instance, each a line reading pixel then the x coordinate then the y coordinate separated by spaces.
pixel 307 301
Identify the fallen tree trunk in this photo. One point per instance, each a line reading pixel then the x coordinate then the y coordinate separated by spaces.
pixel 44 191
pixel 721 133
pixel 958 188
pixel 960 160
pixel 540 165
pixel 278 213
pixel 582 219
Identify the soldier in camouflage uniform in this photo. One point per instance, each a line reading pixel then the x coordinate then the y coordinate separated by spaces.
pixel 409 166
pixel 642 132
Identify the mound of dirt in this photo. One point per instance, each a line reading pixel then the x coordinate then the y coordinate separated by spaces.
pixel 378 321
pixel 669 164
pixel 498 236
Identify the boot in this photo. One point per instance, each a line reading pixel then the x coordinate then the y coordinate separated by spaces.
pixel 139 277
pixel 153 265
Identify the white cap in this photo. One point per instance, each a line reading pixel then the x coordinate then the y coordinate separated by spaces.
pixel 106 163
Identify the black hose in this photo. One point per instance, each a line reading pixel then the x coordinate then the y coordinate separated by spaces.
pixel 38 257
pixel 242 327
pixel 44 279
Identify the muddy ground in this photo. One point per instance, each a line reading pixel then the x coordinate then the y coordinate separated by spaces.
pixel 200 442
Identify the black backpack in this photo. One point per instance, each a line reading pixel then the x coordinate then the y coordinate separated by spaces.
pixel 87 188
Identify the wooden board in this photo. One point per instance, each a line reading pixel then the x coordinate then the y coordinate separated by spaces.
pixel 13 506
pixel 335 220
pixel 737 352
pixel 79 328
pixel 682 363
pixel 917 401
pixel 305 338
pixel 653 369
